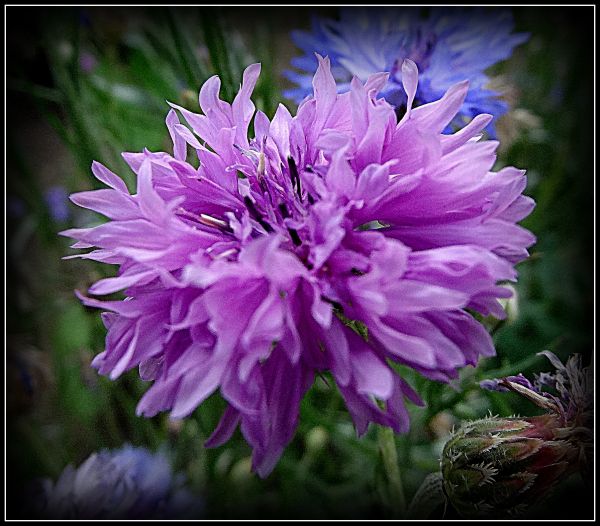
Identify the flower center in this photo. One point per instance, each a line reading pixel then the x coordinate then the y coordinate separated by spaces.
pixel 420 51
pixel 274 201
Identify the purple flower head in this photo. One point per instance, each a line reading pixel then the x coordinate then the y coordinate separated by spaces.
pixel 570 387
pixel 448 46
pixel 127 483
pixel 335 240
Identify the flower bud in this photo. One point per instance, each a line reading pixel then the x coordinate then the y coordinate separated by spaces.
pixel 500 466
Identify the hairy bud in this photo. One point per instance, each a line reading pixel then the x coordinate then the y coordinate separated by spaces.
pixel 500 466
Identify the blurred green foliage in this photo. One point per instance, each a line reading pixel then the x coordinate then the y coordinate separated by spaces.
pixel 101 78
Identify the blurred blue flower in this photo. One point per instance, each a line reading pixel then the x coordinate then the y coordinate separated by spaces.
pixel 57 201
pixel 448 46
pixel 127 483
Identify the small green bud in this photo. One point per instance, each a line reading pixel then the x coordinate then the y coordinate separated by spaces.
pixel 316 439
pixel 511 305
pixel 241 472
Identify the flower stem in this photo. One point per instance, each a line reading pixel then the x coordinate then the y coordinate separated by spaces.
pixel 389 455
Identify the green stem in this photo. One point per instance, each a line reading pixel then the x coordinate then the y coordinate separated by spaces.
pixel 389 455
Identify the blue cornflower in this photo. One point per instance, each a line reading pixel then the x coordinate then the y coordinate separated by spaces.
pixel 448 46
pixel 57 201
pixel 127 483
